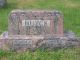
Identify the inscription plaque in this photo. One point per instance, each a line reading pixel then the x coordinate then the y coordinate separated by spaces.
pixel 41 22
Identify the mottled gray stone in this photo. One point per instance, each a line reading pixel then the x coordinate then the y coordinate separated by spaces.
pixel 38 22
pixel 24 43
pixel 20 44
pixel 69 34
pixel 4 34
pixel 60 42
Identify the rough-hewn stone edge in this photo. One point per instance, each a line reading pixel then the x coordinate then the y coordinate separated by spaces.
pixel 34 10
pixel 43 43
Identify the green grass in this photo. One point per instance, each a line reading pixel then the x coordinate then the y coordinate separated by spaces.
pixel 63 54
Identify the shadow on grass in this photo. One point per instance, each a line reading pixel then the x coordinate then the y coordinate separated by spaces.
pixel 9 6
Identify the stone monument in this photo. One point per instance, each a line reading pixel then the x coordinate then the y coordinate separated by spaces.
pixel 36 23
pixel 31 29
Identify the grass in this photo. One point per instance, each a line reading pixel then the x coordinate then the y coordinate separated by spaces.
pixel 63 54
pixel 71 15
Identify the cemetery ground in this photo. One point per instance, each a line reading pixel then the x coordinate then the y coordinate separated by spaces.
pixel 71 14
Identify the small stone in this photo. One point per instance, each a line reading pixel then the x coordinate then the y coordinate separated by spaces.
pixel 4 34
pixel 69 34
pixel 3 3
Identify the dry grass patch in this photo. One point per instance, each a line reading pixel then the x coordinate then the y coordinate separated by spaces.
pixel 23 3
pixel 71 4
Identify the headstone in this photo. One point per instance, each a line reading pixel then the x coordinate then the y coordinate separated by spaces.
pixel 3 3
pixel 28 28
pixel 31 29
pixel 41 22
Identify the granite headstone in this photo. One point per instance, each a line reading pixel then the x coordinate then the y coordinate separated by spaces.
pixel 41 22
pixel 31 29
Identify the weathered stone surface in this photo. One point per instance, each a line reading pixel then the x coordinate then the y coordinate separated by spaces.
pixel 61 42
pixel 36 29
pixel 3 3
pixel 38 22
pixel 69 34
pixel 23 42
pixel 3 43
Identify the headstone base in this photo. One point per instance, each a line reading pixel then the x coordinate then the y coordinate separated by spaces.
pixel 23 43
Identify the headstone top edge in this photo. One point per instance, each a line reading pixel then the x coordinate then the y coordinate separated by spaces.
pixel 18 10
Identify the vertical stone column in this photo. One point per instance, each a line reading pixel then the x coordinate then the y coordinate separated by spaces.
pixel 60 25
